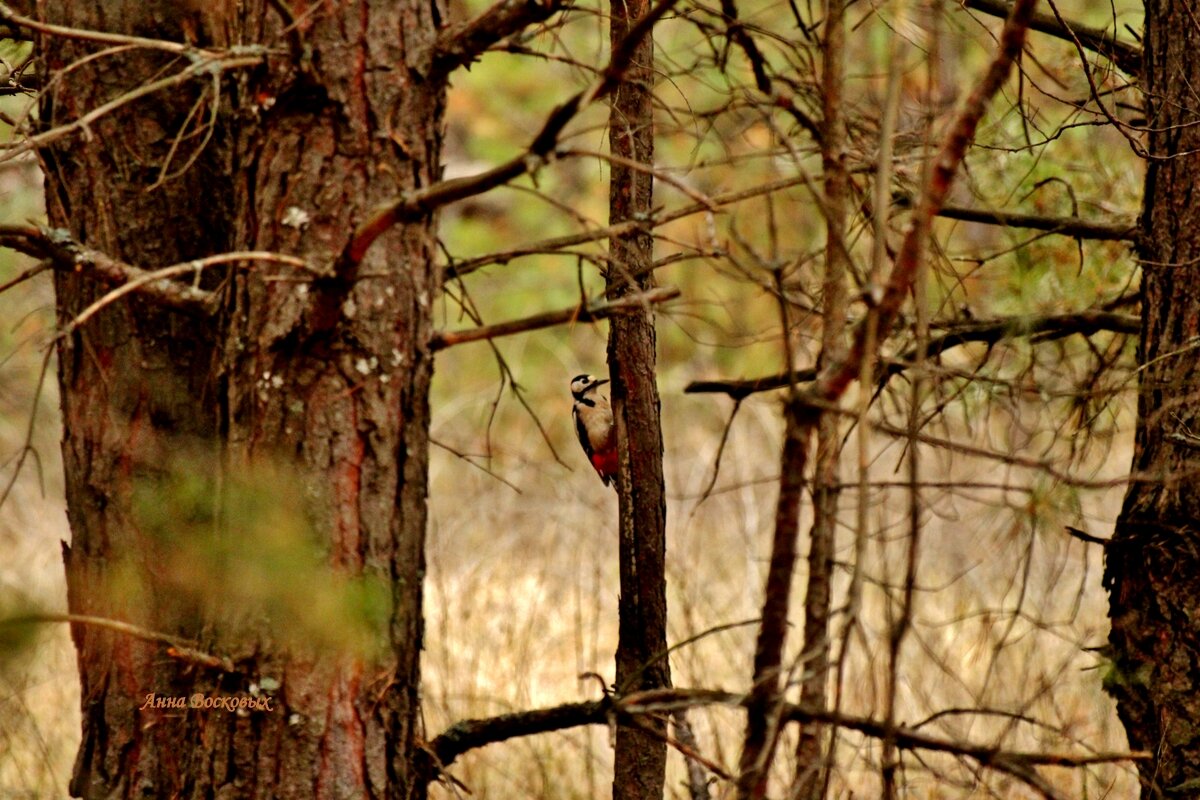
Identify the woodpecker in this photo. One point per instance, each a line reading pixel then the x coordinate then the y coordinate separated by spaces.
pixel 594 425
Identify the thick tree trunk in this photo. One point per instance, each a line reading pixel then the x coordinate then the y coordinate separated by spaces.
pixel 1153 564
pixel 328 380
pixel 640 759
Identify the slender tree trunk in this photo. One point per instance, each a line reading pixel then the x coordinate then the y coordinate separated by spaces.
pixel 1153 564
pixel 640 760
pixel 765 700
pixel 809 778
pixel 328 378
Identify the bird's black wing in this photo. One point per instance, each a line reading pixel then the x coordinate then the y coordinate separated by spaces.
pixel 581 432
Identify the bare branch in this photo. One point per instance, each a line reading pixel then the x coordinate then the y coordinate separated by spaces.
pixel 460 45
pixel 472 734
pixel 1128 57
pixel 802 416
pixel 67 254
pixel 834 380
pixel 64 253
pixel 9 15
pixel 1075 227
pixel 696 764
pixel 1084 536
pixel 588 313
pixel 25 275
pixel 1052 326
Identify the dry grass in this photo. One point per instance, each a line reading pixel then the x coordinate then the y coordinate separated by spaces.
pixel 39 692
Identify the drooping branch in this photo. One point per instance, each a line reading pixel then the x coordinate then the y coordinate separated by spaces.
pixel 1127 57
pixel 460 45
pixel 579 313
pixel 1048 327
pixel 419 203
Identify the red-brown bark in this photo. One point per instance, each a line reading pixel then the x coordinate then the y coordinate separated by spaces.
pixel 329 379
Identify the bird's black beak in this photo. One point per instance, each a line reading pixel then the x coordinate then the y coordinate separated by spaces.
pixel 600 383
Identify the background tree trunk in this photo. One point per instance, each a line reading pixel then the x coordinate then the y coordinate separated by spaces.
pixel 1153 563
pixel 809 779
pixel 639 769
pixel 328 378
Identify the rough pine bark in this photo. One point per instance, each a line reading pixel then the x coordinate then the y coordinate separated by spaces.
pixel 1152 568
pixel 328 378
pixel 639 769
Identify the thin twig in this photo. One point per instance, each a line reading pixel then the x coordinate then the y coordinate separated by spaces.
pixel 177 647
pixel 63 32
pixel 36 269
pixel 205 66
pixel 467 266
pixel 465 457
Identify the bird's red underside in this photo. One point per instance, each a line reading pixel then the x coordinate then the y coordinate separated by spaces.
pixel 605 463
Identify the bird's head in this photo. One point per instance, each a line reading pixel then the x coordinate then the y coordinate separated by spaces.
pixel 582 384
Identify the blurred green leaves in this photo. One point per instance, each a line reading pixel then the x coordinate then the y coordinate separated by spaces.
pixel 236 550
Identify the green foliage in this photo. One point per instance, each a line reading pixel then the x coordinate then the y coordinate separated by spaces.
pixel 237 545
